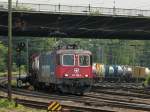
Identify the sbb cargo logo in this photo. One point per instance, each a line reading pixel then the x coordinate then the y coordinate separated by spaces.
pixel 54 107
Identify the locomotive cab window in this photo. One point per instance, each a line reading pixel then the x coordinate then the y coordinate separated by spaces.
pixel 68 59
pixel 84 60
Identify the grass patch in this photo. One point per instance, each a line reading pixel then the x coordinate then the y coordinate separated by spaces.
pixel 14 83
pixel 6 106
pixel 4 103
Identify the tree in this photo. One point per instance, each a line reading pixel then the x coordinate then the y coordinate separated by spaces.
pixel 3 57
pixel 108 51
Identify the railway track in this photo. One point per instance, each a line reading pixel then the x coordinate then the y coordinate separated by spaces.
pixel 136 89
pixel 107 85
pixel 90 100
pixel 3 81
pixel 123 102
pixel 70 107
pixel 44 105
pixel 123 93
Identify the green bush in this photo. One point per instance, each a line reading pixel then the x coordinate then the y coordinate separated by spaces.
pixel 3 57
pixel 14 67
pixel 147 81
pixel 23 69
pixel 6 103
pixel 7 106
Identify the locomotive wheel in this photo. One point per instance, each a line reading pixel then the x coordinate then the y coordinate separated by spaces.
pixel 53 87
pixel 64 89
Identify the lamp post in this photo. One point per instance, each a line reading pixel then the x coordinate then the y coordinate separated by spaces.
pixel 9 49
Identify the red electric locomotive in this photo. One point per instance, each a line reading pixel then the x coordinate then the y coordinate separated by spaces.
pixel 68 69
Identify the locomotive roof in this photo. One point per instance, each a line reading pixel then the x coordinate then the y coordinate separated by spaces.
pixel 68 51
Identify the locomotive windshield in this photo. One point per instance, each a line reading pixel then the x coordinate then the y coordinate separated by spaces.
pixel 84 60
pixel 68 59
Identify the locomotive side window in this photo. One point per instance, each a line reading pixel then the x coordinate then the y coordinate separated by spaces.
pixel 84 60
pixel 68 59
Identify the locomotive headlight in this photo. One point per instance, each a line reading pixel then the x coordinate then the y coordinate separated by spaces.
pixel 66 75
pixel 86 75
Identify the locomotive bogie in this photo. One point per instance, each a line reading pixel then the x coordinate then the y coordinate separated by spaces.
pixel 75 85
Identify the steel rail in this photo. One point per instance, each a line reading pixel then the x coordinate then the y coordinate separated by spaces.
pixel 125 88
pixel 124 93
pixel 71 107
pixel 44 105
pixel 87 100
pixel 95 101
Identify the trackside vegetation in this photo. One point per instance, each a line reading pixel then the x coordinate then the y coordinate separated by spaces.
pixel 6 106
pixel 147 81
pixel 107 51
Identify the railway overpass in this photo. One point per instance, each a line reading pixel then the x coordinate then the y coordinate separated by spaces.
pixel 46 20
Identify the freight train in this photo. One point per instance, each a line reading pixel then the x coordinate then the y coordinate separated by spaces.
pixel 67 69
pixel 119 73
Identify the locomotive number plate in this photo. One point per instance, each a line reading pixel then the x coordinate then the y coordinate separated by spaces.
pixel 76 75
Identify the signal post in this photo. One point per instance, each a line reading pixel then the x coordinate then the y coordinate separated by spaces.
pixel 9 48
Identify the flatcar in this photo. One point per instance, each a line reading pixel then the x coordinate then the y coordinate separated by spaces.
pixel 68 70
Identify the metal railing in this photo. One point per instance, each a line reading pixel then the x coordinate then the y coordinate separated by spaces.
pixel 75 9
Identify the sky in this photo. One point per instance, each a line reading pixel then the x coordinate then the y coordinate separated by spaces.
pixel 127 4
